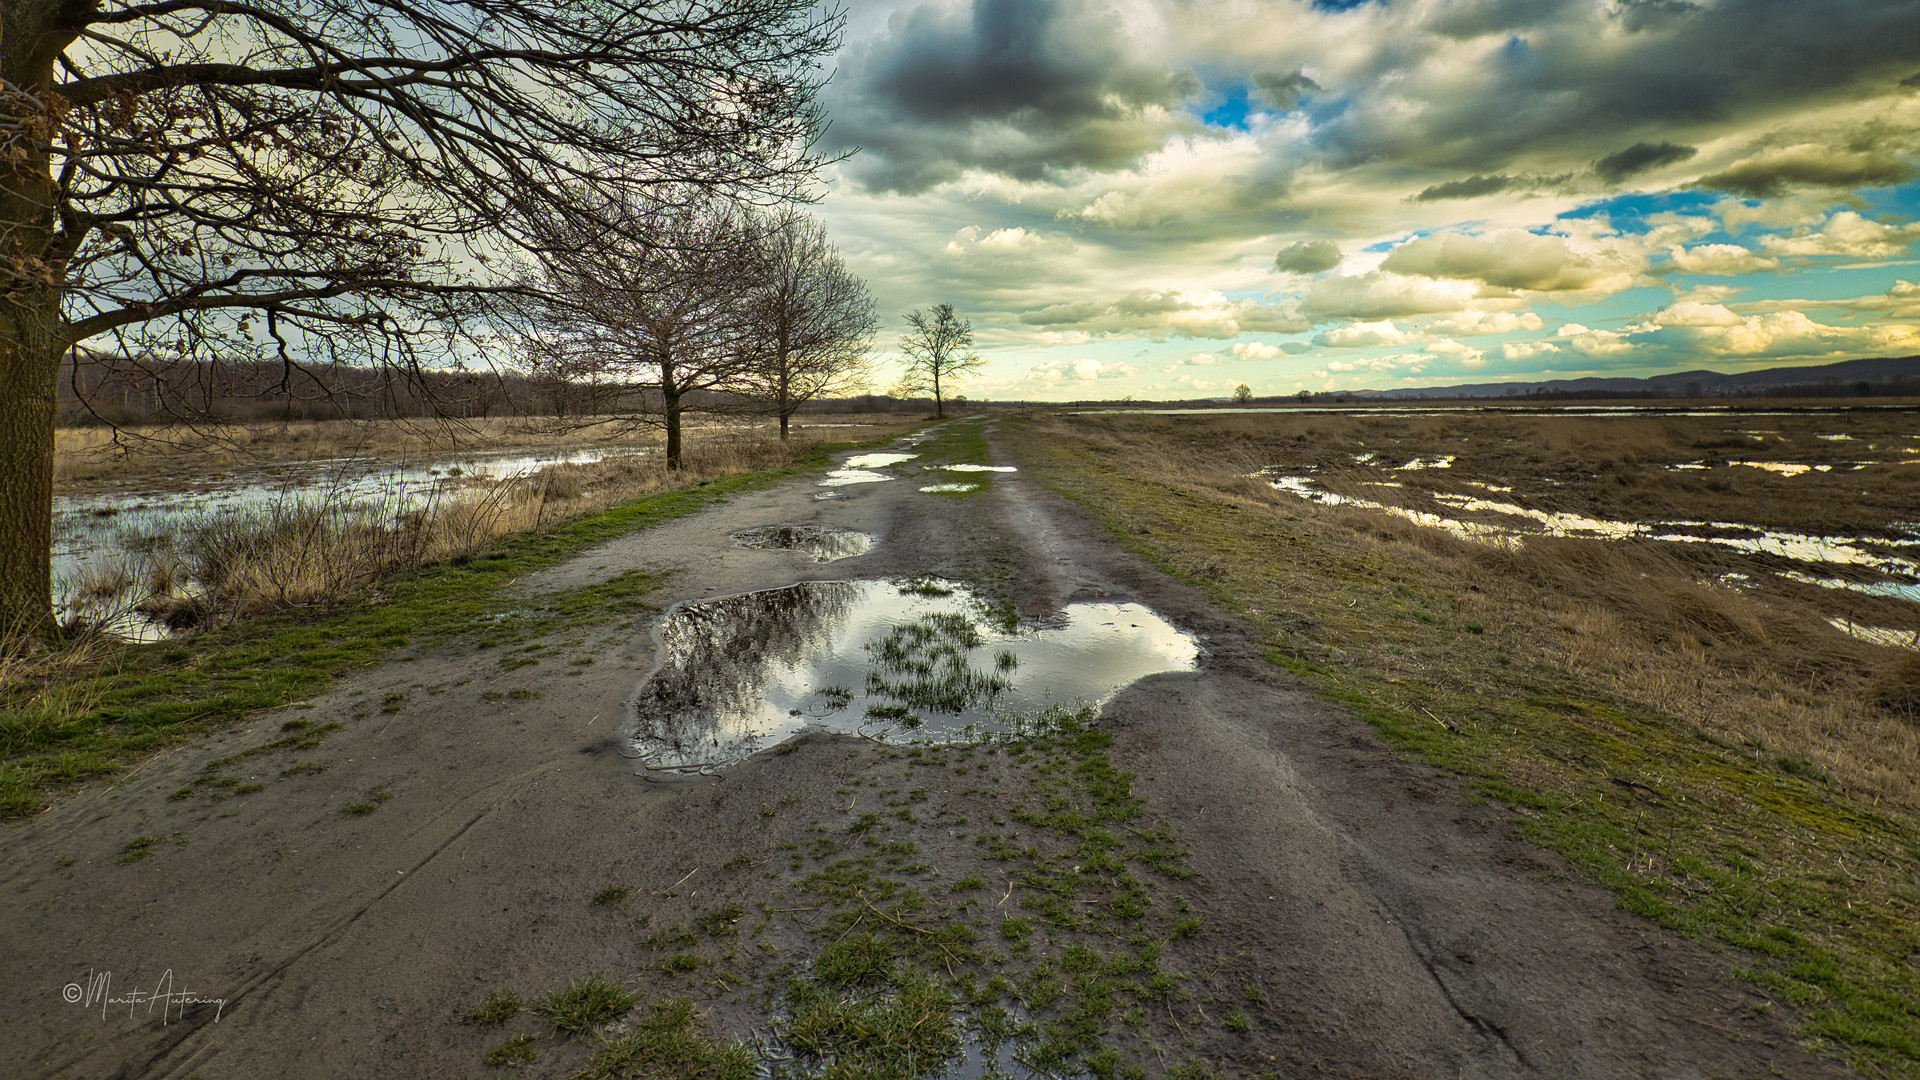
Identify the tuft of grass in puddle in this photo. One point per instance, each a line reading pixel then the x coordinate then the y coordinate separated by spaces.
pixel 1723 840
pixel 584 1005
pixel 925 664
pixel 118 702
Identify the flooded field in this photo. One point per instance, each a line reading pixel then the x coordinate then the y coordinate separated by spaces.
pixel 1822 504
pixel 145 532
pixel 917 661
pixel 1755 574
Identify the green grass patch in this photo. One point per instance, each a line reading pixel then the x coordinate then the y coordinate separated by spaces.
pixel 584 1005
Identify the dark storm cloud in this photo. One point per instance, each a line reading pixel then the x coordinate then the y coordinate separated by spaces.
pixel 1637 15
pixel 1768 176
pixel 1025 88
pixel 1307 257
pixel 1470 188
pixel 1283 89
pixel 1640 157
pixel 1549 91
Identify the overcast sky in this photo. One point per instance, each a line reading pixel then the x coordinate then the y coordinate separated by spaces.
pixel 1167 198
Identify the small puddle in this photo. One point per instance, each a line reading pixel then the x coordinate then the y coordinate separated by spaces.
pixel 978 468
pixel 914 661
pixel 821 543
pixel 843 477
pixel 951 489
pixel 859 469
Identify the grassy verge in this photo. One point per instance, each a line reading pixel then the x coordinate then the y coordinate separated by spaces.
pixel 99 709
pixel 1071 953
pixel 1813 887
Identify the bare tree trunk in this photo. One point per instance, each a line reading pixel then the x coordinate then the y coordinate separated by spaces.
pixel 29 366
pixel 670 401
pixel 31 338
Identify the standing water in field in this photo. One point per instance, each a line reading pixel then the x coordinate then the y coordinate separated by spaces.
pixel 905 661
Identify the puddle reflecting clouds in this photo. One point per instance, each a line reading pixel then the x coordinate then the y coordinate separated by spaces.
pixel 903 661
pixel 821 543
pixel 859 469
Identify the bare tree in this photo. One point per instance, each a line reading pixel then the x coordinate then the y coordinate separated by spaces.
pixel 302 180
pixel 939 349
pixel 813 317
pixel 640 322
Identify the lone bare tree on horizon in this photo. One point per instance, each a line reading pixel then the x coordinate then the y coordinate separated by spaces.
pixel 939 349
pixel 303 181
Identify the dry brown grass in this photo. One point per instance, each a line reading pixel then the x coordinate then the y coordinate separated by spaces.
pixel 313 549
pixel 1643 621
pixel 167 455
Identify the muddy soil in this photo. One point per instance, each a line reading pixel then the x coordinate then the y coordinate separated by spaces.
pixel 1397 928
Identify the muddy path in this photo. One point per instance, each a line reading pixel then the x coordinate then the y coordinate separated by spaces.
pixel 473 825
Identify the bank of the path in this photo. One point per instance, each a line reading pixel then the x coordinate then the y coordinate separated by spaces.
pixel 1313 904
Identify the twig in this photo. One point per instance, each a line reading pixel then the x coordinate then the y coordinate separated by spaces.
pixel 668 891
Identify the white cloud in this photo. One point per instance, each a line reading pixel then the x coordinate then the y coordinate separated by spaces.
pixel 1724 260
pixel 1516 259
pixel 1379 295
pixel 1084 370
pixel 1845 233
pixel 1477 323
pixel 1465 354
pixel 1527 350
pixel 1694 313
pixel 1364 335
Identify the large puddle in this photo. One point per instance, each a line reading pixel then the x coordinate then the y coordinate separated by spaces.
pixel 906 661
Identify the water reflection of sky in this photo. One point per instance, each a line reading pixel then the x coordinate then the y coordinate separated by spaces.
pixel 1519 522
pixel 742 673
pixel 103 527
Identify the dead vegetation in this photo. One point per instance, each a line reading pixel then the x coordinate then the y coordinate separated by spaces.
pixel 1742 645
pixel 317 542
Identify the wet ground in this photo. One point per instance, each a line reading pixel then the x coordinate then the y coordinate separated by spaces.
pixel 1390 926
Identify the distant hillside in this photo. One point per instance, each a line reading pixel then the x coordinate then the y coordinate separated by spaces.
pixel 1880 377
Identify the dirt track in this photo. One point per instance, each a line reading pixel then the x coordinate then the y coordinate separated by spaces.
pixel 1396 930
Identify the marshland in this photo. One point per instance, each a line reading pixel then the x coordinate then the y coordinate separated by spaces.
pixel 159 528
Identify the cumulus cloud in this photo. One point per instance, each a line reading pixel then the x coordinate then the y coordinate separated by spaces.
pixel 1845 233
pixel 1260 350
pixel 1719 259
pixel 1307 257
pixel 1378 295
pixel 1364 335
pixel 1527 350
pixel 1478 323
pixel 1511 259
pixel 1168 314
pixel 1084 370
